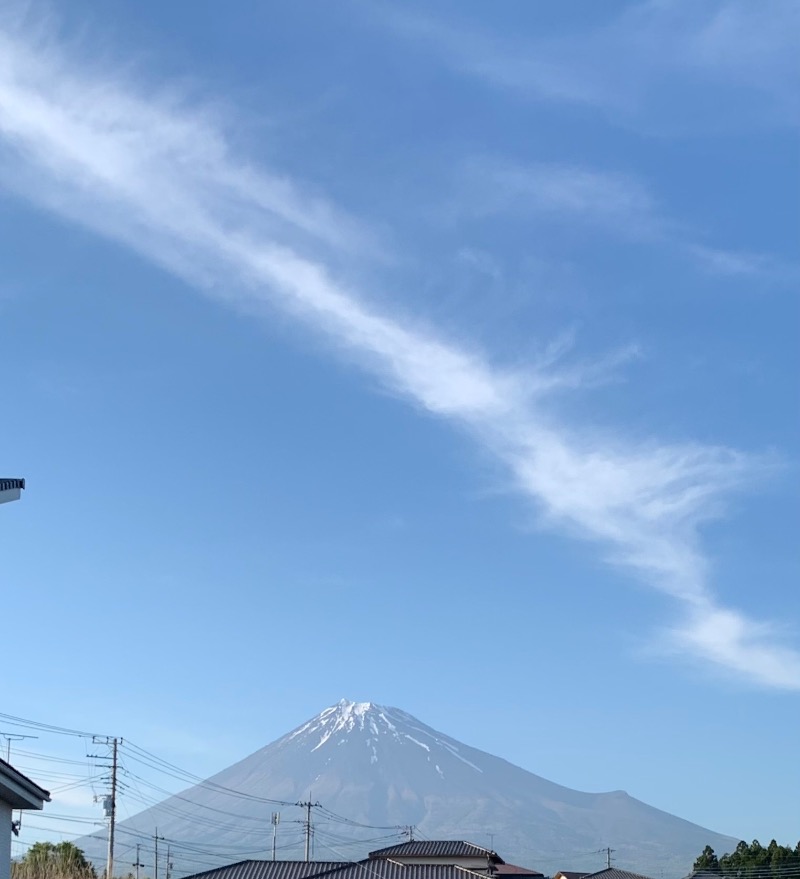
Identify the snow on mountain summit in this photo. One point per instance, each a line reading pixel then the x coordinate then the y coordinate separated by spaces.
pixel 381 725
pixel 376 768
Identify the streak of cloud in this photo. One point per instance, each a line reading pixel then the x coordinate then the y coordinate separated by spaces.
pixel 612 203
pixel 161 178
pixel 737 59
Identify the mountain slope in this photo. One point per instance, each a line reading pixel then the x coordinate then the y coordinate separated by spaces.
pixel 380 769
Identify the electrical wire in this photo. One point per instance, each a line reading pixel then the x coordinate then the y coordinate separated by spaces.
pixel 47 727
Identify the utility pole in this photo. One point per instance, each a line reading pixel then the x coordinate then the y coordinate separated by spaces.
pixel 608 857
pixel 276 820
pixel 113 821
pixel 138 863
pixel 13 737
pixel 490 869
pixel 169 862
pixel 16 826
pixel 110 802
pixel 308 806
pixel 156 838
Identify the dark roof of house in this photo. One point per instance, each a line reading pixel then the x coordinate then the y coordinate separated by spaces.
pixel 515 870
pixel 272 869
pixel 614 873
pixel 383 868
pixel 18 789
pixel 9 484
pixel 437 848
pixel 373 868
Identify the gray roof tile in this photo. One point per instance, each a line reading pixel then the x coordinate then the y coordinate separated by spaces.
pixel 374 868
pixel 614 873
pixel 516 870
pixel 270 870
pixel 435 848
pixel 379 868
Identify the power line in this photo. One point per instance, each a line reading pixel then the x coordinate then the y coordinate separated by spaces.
pixel 49 757
pixel 352 823
pixel 13 737
pixel 153 762
pixel 47 727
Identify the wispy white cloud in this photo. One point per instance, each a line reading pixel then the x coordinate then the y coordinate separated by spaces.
pixel 730 639
pixel 616 204
pixel 741 55
pixel 741 263
pixel 160 177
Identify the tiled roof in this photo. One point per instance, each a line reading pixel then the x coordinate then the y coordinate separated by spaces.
pixel 514 870
pixel 614 873
pixel 436 848
pixel 572 874
pixel 10 484
pixel 377 868
pixel 381 864
pixel 271 870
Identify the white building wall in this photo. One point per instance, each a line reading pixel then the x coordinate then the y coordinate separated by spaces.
pixel 5 840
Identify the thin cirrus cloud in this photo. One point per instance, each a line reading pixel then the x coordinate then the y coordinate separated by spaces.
pixel 614 203
pixel 733 63
pixel 160 177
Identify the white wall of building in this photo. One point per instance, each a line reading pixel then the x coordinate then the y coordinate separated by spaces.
pixel 5 840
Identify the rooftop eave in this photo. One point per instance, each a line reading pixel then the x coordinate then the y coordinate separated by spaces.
pixel 19 791
pixel 11 489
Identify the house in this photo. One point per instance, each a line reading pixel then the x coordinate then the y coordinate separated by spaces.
pixel 270 870
pixel 456 853
pixel 428 859
pixel 614 873
pixel 10 489
pixel 512 871
pixel 17 791
pixel 570 874
pixel 444 852
pixel 378 868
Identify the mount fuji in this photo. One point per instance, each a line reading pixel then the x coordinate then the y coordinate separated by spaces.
pixel 375 771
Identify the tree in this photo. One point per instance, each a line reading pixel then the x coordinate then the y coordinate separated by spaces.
pixel 47 860
pixel 707 862
pixel 752 861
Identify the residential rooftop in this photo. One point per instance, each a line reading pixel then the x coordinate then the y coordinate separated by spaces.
pixel 19 791
pixel 437 848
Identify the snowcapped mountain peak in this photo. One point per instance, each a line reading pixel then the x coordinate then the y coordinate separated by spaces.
pixel 380 727
pixel 377 766
pixel 344 718
pixel 346 715
pixel 349 710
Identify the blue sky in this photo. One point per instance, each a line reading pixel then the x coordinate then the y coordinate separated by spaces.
pixel 436 354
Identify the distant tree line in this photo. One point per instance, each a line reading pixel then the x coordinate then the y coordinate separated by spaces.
pixel 753 861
